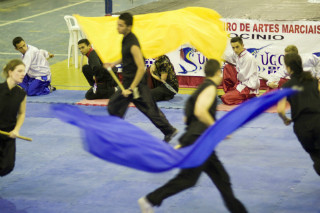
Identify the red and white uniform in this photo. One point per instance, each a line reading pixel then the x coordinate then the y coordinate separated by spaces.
pixel 310 63
pixel 240 82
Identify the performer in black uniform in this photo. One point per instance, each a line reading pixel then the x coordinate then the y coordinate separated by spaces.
pixel 305 108
pixel 200 114
pixel 135 78
pixel 102 84
pixel 12 113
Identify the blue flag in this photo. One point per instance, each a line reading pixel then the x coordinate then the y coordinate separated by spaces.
pixel 115 140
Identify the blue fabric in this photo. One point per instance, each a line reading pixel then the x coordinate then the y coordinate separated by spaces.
pixel 115 140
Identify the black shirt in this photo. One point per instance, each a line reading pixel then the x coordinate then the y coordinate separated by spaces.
pixel 193 123
pixel 129 67
pixel 103 78
pixel 304 102
pixel 93 59
pixel 10 101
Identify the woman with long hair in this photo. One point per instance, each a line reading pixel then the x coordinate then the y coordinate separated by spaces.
pixel 305 108
pixel 12 113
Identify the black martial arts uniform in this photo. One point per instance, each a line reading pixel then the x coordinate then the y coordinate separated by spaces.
pixel 10 101
pixel 101 82
pixel 213 167
pixel 305 114
pixel 118 104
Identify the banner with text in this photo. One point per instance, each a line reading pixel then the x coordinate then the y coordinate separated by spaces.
pixel 266 40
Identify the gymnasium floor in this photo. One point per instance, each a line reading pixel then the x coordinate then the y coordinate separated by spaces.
pixel 269 170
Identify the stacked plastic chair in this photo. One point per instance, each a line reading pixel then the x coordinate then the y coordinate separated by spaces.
pixel 75 35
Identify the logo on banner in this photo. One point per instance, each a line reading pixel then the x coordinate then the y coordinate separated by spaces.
pixel 272 61
pixel 272 69
pixel 149 62
pixel 268 63
pixel 193 60
pixel 255 51
pixel 317 54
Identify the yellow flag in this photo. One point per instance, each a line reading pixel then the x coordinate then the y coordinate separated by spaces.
pixel 159 33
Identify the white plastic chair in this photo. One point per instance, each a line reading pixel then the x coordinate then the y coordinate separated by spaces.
pixel 75 36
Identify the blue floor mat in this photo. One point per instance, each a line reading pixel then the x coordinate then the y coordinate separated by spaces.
pixel 178 102
pixel 269 170
pixel 59 96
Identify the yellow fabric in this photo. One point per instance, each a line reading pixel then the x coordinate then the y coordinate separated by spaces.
pixel 159 33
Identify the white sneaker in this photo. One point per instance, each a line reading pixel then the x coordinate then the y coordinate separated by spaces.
pixel 145 205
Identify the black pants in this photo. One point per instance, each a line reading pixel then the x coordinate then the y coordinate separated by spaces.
pixel 118 106
pixel 7 154
pixel 307 129
pixel 88 73
pixel 101 93
pixel 162 93
pixel 187 178
pixel 315 156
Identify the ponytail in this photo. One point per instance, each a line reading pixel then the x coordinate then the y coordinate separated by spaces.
pixel 294 61
pixel 11 65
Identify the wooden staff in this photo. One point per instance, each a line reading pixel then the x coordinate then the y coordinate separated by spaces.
pixel 115 78
pixel 136 94
pixel 21 137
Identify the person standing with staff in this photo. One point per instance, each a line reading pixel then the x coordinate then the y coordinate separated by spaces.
pixel 135 81
pixel 12 113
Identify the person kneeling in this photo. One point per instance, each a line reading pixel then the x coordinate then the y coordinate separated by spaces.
pixel 37 80
pixel 101 82
pixel 166 83
pixel 104 85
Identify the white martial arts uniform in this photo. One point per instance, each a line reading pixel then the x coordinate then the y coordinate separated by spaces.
pixel 38 75
pixel 310 63
pixel 247 70
pixel 37 65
